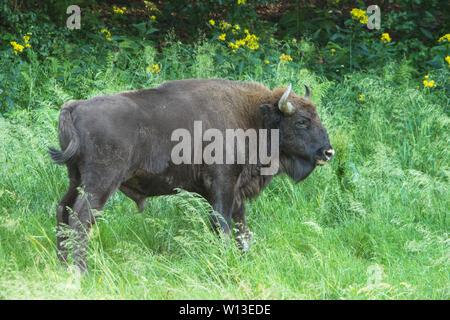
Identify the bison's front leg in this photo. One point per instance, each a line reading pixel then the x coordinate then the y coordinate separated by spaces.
pixel 243 236
pixel 222 201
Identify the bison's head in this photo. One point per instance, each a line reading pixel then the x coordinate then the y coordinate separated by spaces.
pixel 304 142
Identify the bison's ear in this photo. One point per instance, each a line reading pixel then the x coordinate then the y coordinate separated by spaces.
pixel 271 116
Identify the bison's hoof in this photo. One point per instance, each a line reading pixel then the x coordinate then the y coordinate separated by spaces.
pixel 244 240
pixel 245 245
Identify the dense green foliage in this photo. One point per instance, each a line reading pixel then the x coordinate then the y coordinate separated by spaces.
pixel 373 224
pixel 326 37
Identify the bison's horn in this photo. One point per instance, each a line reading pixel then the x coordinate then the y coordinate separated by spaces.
pixel 285 106
pixel 308 92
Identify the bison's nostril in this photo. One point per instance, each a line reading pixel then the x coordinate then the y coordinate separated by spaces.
pixel 329 153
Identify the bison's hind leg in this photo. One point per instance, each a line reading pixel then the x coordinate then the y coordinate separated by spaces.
pixel 62 213
pixel 98 185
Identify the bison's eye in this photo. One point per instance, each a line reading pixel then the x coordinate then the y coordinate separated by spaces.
pixel 302 124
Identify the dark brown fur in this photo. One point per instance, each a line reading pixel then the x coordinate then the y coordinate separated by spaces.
pixel 123 142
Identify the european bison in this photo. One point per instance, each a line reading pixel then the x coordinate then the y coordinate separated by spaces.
pixel 124 141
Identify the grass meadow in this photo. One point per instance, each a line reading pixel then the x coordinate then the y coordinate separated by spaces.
pixel 373 224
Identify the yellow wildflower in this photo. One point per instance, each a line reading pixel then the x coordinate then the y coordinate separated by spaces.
pixel 333 51
pixel 153 17
pixel 242 1
pixel 222 36
pixel 267 61
pixel 119 10
pixel 240 42
pixel 212 22
pixel 17 47
pixel 361 97
pixel 445 37
pixel 26 38
pixel 364 19
pixel 285 58
pixel 429 84
pixel 358 14
pixel 426 77
pixel 224 25
pixel 154 69
pixel 235 28
pixel 385 38
pixel 447 58
pixel 107 34
pixel 252 42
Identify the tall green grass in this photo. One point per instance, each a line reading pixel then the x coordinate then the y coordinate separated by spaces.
pixel 371 225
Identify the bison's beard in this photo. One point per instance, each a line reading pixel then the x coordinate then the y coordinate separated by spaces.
pixel 297 168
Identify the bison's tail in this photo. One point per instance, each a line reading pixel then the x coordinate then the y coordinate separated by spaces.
pixel 68 136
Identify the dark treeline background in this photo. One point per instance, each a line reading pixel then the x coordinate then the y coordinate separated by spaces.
pixel 406 19
pixel 329 37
